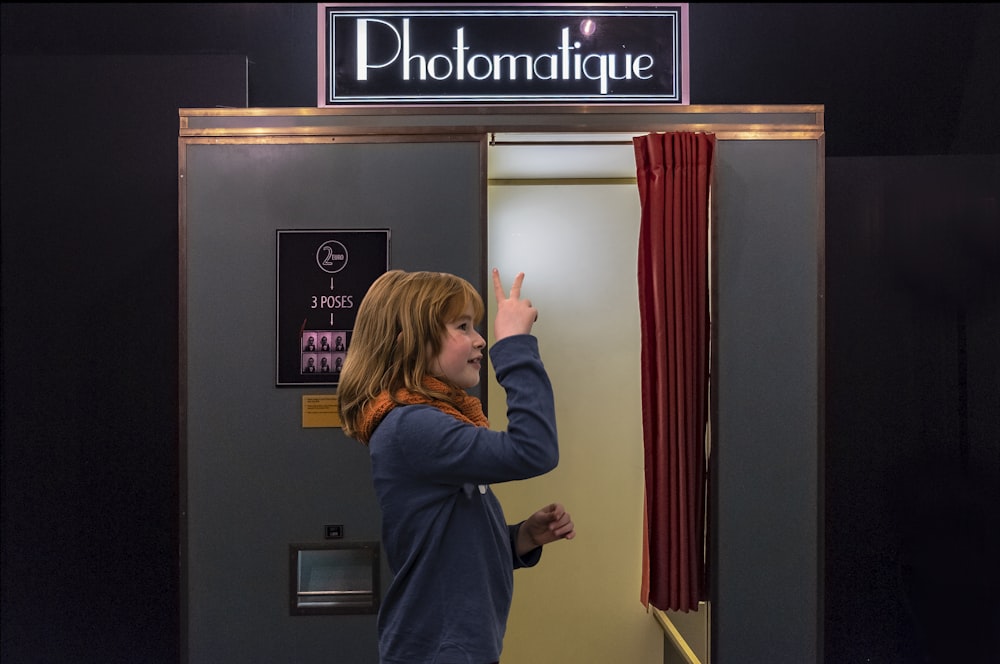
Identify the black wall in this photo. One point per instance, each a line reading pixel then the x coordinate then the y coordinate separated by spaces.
pixel 89 284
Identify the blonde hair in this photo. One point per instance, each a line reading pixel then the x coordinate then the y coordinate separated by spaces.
pixel 399 330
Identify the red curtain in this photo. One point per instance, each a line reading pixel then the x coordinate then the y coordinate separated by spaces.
pixel 674 173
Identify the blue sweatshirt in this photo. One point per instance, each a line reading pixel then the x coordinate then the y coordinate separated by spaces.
pixel 444 533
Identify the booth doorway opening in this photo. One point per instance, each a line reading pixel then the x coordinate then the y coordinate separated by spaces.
pixel 564 209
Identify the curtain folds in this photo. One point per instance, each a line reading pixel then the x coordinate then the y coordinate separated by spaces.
pixel 674 173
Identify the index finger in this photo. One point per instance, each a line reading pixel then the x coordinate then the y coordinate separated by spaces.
pixel 497 286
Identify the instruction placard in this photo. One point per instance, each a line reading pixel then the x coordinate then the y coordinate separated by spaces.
pixel 322 276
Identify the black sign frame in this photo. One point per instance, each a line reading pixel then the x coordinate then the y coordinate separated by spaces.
pixel 502 54
pixel 321 278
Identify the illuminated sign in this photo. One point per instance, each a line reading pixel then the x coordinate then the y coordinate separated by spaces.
pixel 371 54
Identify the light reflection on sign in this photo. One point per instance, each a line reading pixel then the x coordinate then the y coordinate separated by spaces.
pixel 371 54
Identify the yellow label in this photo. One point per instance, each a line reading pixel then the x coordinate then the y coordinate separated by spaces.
pixel 320 410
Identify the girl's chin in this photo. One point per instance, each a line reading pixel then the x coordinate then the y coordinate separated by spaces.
pixel 472 382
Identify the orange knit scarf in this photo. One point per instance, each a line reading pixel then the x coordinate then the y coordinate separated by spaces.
pixel 470 409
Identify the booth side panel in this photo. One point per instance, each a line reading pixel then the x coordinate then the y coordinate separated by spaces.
pixel 256 480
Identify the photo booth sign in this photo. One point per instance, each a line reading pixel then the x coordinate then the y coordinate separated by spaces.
pixel 374 54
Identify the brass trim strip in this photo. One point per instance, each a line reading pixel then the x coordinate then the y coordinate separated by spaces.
pixel 372 130
pixel 500 109
pixel 678 641
pixel 326 140
pixel 517 182
pixel 434 134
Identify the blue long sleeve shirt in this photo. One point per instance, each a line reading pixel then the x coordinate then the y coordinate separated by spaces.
pixel 444 533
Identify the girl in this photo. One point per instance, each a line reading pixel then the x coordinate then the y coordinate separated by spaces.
pixel 414 352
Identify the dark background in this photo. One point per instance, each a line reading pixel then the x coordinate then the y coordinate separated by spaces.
pixel 90 299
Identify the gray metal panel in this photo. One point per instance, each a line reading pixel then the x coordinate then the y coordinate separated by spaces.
pixel 257 481
pixel 766 570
